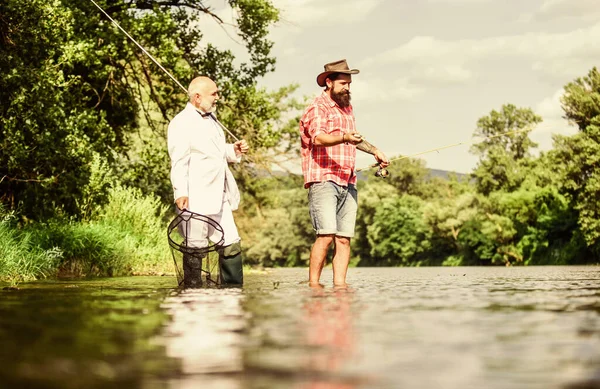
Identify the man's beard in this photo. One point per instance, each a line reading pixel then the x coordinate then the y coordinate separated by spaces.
pixel 208 108
pixel 341 98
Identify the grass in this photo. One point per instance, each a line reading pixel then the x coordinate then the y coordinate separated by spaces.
pixel 20 259
pixel 127 236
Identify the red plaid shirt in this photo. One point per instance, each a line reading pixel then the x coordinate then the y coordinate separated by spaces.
pixel 327 163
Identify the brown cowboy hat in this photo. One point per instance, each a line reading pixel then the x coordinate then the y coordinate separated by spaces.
pixel 335 67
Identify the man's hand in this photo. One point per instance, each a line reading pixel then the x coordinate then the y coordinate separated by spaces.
pixel 241 147
pixel 182 202
pixel 381 159
pixel 353 137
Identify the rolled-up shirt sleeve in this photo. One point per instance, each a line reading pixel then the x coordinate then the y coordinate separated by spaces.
pixel 316 122
pixel 179 152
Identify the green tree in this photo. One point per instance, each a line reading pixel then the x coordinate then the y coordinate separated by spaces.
pixel 407 175
pixel 504 152
pixel 545 224
pixel 370 195
pixel 517 122
pixel 399 234
pixel 277 224
pixel 446 217
pixel 577 157
pixel 48 133
pixel 73 86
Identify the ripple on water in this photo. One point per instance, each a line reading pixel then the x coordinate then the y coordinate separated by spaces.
pixel 394 327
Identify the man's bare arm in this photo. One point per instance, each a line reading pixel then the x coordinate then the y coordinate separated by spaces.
pixel 324 139
pixel 370 149
pixel 366 147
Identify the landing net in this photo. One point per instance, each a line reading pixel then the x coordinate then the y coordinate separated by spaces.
pixel 185 248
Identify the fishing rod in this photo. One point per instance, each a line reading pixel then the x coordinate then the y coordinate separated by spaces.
pixel 383 173
pixel 159 65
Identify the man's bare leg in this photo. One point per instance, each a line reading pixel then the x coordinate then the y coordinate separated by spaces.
pixel 341 259
pixel 318 254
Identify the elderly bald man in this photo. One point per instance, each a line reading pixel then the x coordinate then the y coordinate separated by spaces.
pixel 202 182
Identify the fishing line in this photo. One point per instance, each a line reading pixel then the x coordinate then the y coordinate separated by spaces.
pixel 159 65
pixel 440 148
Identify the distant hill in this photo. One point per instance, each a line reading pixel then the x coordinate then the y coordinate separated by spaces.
pixel 446 174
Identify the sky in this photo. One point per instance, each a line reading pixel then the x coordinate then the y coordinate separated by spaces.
pixel 429 69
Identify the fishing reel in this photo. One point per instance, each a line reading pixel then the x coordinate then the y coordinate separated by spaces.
pixel 382 172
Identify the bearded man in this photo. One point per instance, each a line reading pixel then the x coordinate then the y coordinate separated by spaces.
pixel 329 142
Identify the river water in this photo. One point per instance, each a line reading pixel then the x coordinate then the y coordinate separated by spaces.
pixel 522 327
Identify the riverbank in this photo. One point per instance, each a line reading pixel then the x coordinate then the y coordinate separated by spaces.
pixel 126 236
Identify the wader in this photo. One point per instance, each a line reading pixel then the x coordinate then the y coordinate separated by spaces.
pixel 230 264
pixel 192 270
pixel 230 267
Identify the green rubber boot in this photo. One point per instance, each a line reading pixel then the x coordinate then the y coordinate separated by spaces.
pixel 230 263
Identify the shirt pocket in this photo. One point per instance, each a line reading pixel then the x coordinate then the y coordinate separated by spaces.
pixel 334 124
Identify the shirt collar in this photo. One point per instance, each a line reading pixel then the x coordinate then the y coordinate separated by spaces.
pixel 328 99
pixel 205 115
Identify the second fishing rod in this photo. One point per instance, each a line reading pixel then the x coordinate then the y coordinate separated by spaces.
pixel 383 172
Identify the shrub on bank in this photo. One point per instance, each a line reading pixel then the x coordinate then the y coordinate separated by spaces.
pixel 20 259
pixel 126 236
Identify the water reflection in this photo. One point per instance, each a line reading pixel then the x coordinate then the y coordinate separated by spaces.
pixel 330 337
pixel 205 330
pixel 82 334
pixel 452 328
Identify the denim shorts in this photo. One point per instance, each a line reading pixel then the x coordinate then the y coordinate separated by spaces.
pixel 333 208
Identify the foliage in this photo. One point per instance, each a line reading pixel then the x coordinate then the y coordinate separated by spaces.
pixel 504 150
pixel 285 230
pixel 581 100
pixel 407 175
pixel 399 234
pixel 74 89
pixel 20 259
pixel 84 172
pixel 447 217
pixel 48 131
pixel 578 157
pixel 370 196
pixel 507 129
pixel 125 236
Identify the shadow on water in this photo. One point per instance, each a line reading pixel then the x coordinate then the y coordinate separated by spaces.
pixel 409 328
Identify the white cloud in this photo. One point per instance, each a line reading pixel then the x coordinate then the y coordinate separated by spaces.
pixel 376 90
pixel 445 74
pixel 550 107
pixel 428 60
pixel 459 1
pixel 585 9
pixel 302 13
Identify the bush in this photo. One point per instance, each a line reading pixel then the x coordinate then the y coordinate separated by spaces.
pixel 124 237
pixel 20 260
